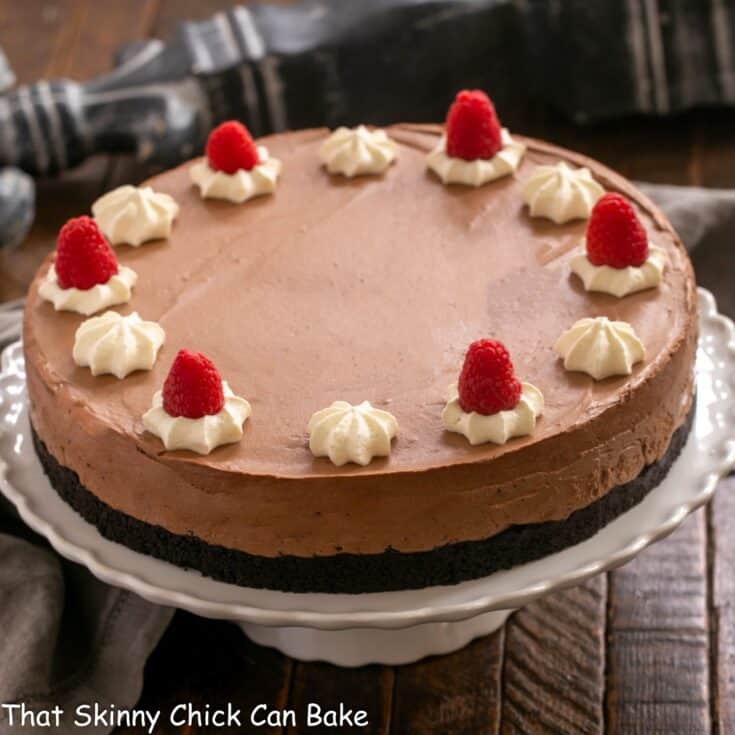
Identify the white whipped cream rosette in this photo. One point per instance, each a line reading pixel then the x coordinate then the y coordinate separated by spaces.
pixel 561 193
pixel 357 151
pixel 600 347
pixel 133 215
pixel 117 345
pixel 347 433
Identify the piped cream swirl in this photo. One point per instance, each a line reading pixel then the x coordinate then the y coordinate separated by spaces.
pixel 116 290
pixel 621 281
pixel 134 215
pixel 600 347
pixel 561 193
pixel 480 171
pixel 357 151
pixel 347 433
pixel 240 186
pixel 499 427
pixel 200 435
pixel 117 344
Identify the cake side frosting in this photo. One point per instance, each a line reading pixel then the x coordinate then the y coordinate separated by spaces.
pixel 409 345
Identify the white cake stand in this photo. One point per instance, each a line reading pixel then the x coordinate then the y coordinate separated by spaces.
pixel 390 627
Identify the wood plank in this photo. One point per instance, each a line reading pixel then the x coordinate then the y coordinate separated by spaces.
pixel 603 142
pixel 722 605
pixel 658 638
pixel 658 150
pixel 554 669
pixel 369 688
pixel 714 156
pixel 648 149
pixel 208 662
pixel 32 34
pixel 102 29
pixel 74 38
pixel 458 693
pixel 715 149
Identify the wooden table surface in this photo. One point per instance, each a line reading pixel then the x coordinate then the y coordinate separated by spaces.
pixel 648 648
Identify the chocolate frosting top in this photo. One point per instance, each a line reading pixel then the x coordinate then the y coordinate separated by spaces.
pixel 369 288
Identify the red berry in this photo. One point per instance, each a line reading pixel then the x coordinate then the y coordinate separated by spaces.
pixel 230 147
pixel 473 128
pixel 487 383
pixel 83 257
pixel 615 236
pixel 193 387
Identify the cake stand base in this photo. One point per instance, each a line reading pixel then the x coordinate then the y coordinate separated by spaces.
pixel 360 646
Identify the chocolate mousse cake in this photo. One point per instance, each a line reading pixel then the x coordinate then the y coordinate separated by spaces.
pixel 363 360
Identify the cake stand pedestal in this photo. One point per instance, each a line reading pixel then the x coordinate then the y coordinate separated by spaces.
pixel 387 627
pixel 359 646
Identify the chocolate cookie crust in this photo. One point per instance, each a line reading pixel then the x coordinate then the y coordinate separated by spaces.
pixel 357 573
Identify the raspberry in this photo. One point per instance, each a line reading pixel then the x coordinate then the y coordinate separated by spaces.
pixel 473 128
pixel 83 257
pixel 230 147
pixel 615 236
pixel 487 383
pixel 193 387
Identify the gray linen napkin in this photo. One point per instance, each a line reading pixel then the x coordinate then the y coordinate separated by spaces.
pixel 66 638
pixel 705 220
pixel 69 639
